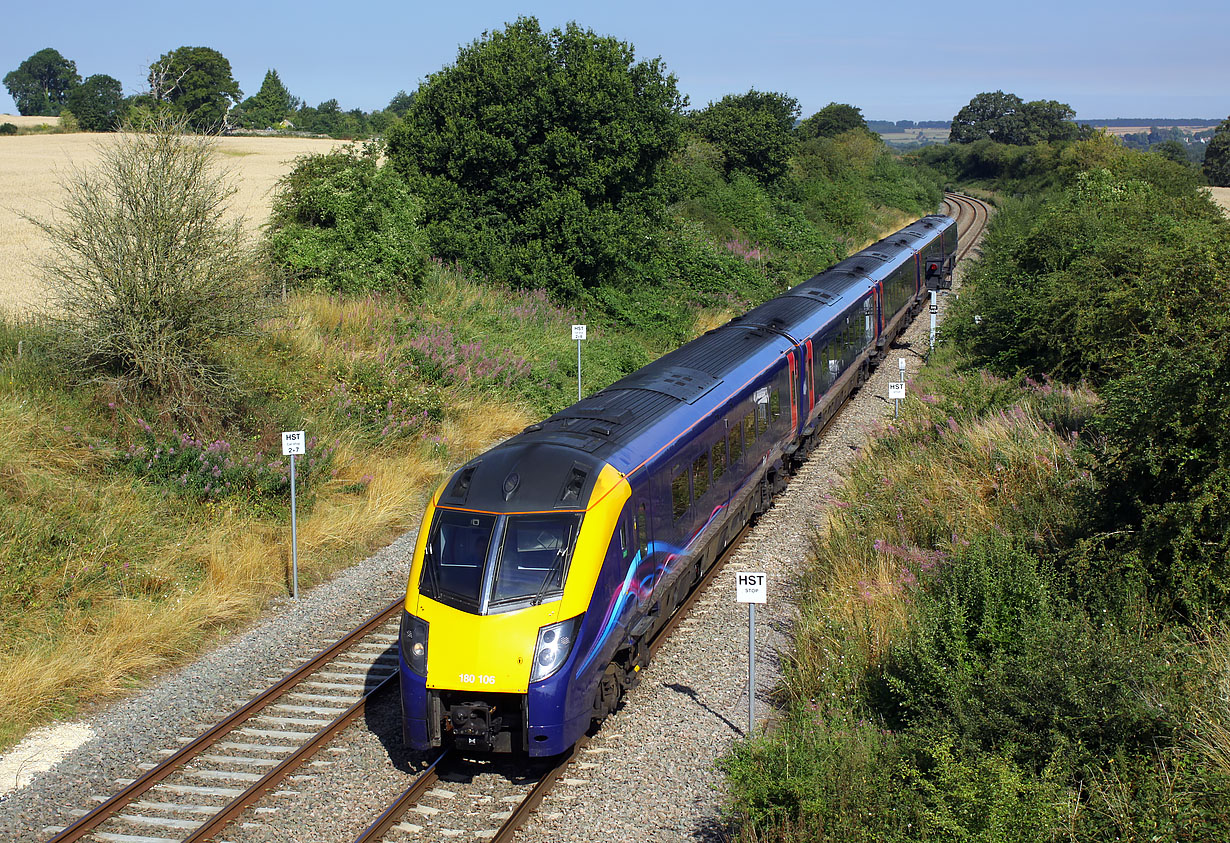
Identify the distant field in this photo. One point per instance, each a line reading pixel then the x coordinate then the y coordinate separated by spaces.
pixel 25 122
pixel 931 135
pixel 31 167
pixel 1222 196
pixel 1120 131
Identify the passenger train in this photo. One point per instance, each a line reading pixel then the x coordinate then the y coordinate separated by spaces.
pixel 545 565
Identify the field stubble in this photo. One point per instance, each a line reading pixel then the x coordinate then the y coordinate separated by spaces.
pixel 32 168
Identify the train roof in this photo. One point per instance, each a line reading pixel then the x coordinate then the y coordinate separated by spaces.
pixel 554 464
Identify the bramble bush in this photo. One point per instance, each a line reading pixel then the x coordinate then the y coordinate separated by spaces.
pixel 344 222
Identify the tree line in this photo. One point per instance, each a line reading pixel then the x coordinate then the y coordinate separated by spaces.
pixel 194 82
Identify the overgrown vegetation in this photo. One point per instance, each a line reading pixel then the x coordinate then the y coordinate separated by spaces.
pixel 1014 627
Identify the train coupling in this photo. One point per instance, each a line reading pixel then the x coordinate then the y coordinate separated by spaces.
pixel 476 726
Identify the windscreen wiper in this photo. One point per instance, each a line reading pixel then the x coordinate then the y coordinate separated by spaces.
pixel 560 556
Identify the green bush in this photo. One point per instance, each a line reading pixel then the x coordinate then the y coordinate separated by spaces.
pixel 8 129
pixel 1001 660
pixel 343 222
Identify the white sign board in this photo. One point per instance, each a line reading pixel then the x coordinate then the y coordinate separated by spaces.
pixel 896 391
pixel 901 364
pixel 578 332
pixel 293 442
pixel 751 587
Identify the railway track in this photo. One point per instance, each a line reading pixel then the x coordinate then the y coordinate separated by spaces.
pixel 202 788
pixel 505 783
pixel 971 215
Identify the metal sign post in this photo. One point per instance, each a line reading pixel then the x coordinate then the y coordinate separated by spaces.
pixel 896 391
pixel 935 308
pixel 293 443
pixel 751 587
pixel 578 334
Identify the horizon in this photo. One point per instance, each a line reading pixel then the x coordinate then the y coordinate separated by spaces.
pixel 887 60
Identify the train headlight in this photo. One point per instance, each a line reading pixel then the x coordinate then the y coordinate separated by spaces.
pixel 554 644
pixel 414 642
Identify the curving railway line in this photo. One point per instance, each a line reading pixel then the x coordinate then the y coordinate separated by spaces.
pixel 229 771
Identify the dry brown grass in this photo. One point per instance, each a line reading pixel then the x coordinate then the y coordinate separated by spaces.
pixel 207 569
pixel 33 166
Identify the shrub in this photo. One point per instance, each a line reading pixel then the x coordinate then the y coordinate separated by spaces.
pixel 146 277
pixel 343 222
pixel 8 129
pixel 996 657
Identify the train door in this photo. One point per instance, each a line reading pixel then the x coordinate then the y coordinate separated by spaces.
pixel 809 381
pixel 794 394
pixel 642 530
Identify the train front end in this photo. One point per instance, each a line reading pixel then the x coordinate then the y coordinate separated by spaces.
pixel 505 568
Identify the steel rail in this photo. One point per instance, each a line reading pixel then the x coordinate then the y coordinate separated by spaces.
pixel 120 800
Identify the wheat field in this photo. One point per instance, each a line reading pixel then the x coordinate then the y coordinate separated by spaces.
pixel 32 168
pixel 1221 195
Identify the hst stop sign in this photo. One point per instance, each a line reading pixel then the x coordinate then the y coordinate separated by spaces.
pixel 751 587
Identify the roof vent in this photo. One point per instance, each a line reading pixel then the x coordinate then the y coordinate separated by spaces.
pixel 571 493
pixel 461 486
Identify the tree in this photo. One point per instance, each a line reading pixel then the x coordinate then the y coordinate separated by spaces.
pixel 97 103
pixel 40 85
pixel 197 82
pixel 538 154
pixel 272 104
pixel 147 275
pixel 831 121
pixel 752 130
pixel 1005 118
pixel 1217 157
pixel 400 103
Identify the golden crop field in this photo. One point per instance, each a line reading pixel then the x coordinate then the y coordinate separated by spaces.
pixel 32 168
pixel 1221 195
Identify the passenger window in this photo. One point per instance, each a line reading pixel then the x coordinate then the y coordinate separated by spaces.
pixel 700 475
pixel 749 429
pixel 718 454
pixel 736 442
pixel 679 493
pixel 775 405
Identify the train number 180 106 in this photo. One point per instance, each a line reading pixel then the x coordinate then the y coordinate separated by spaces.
pixel 481 679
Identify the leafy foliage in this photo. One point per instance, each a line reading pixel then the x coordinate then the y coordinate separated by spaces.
pixel 41 84
pixel 753 131
pixel 1217 157
pixel 1006 118
pixel 272 104
pixel 831 121
pixel 147 276
pixel 97 103
pixel 1132 254
pixel 342 221
pixel 537 154
pixel 197 82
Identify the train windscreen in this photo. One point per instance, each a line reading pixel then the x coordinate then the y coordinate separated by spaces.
pixel 456 557
pixel 533 558
pixel 529 563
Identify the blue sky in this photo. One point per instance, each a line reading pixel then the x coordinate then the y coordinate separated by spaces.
pixel 894 60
